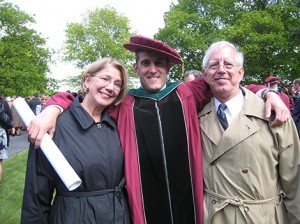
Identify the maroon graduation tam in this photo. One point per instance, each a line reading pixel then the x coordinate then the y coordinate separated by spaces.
pixel 272 79
pixel 149 44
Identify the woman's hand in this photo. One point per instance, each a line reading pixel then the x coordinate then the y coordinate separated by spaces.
pixel 274 103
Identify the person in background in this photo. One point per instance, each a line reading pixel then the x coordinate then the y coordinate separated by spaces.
pixel 34 102
pixel 252 170
pixel 285 88
pixel 159 133
pixel 191 75
pixel 9 101
pixel 88 138
pixel 288 90
pixel 296 112
pixel 18 123
pixel 44 99
pixel 4 136
pixel 296 87
pixel 292 97
pixel 272 82
pixel 79 95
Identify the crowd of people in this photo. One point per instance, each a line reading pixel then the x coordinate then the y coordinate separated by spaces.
pixel 289 94
pixel 36 103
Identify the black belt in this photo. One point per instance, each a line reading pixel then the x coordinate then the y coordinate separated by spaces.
pixel 117 193
pixel 92 193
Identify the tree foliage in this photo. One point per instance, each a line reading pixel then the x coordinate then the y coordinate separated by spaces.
pixel 23 56
pixel 101 33
pixel 264 30
pixel 74 81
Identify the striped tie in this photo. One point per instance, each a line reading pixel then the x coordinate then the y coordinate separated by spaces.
pixel 222 116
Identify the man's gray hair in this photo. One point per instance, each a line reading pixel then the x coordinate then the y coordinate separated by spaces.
pixel 239 55
pixel 196 73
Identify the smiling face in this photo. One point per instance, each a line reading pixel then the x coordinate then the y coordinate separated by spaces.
pixel 152 69
pixel 103 87
pixel 223 74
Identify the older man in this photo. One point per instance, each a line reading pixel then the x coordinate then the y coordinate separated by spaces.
pixel 252 171
pixel 191 75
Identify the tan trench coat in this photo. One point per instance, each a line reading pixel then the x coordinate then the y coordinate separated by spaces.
pixel 251 172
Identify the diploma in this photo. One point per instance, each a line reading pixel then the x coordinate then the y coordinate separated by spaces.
pixel 50 150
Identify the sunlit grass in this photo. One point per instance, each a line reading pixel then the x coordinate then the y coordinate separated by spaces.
pixel 11 188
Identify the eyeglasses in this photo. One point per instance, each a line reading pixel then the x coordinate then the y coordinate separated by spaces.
pixel 106 80
pixel 215 66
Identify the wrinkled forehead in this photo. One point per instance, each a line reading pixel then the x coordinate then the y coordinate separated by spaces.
pixel 222 54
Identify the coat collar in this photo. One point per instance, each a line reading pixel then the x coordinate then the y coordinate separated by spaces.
pixel 140 92
pixel 222 140
pixel 84 119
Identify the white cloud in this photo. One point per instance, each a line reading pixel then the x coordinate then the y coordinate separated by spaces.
pixel 145 16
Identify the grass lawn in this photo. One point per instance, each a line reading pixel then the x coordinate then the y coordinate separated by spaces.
pixel 11 188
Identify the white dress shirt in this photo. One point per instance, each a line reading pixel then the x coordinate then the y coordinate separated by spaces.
pixel 234 106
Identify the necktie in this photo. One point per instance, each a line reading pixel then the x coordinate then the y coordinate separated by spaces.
pixel 222 116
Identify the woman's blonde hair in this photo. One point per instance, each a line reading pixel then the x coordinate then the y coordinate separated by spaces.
pixel 98 66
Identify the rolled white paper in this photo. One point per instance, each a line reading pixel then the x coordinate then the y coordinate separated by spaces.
pixel 50 150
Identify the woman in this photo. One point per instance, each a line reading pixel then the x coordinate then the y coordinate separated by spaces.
pixel 4 136
pixel 88 139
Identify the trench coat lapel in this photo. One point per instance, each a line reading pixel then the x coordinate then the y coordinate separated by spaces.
pixel 241 128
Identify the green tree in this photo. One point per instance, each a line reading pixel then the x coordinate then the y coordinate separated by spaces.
pixel 264 30
pixel 264 36
pixel 101 33
pixel 73 81
pixel 23 56
pixel 52 86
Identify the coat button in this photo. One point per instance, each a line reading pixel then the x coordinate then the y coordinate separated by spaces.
pixel 246 208
pixel 214 201
pixel 245 170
